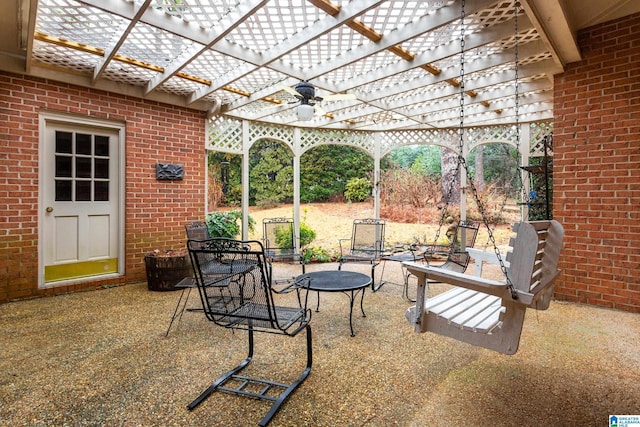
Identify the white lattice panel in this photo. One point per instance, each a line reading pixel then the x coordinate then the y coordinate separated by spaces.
pixel 129 73
pixel 224 135
pixel 205 13
pixel 538 133
pixel 311 138
pixel 392 140
pixel 149 44
pixel 70 20
pixel 180 86
pixel 64 57
pixel 491 134
pixel 264 131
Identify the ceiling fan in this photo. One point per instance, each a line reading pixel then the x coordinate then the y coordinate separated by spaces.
pixel 305 94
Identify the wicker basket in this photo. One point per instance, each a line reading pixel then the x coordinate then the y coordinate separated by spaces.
pixel 166 269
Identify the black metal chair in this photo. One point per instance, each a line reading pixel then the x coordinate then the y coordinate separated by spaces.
pixel 233 280
pixel 279 240
pixel 366 245
pixel 195 230
pixel 462 236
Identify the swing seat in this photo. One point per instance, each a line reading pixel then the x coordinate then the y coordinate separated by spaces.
pixel 484 312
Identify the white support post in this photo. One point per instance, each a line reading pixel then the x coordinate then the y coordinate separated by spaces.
pixel 296 188
pixel 245 180
pixel 525 148
pixel 463 181
pixel 376 176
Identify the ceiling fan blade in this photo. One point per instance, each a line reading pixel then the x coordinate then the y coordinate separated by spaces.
pixel 290 90
pixel 339 97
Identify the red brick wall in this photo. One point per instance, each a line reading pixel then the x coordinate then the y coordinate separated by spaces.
pixel 155 210
pixel 597 167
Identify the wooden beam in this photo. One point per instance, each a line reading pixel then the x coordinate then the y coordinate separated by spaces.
pixel 327 6
pixel 272 100
pixel 402 52
pixel 193 78
pixel 236 91
pixel 431 68
pixel 67 43
pixel 365 30
pixel 137 63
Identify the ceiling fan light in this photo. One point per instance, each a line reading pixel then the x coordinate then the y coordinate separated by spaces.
pixel 305 112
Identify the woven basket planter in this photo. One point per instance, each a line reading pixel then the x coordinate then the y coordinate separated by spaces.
pixel 166 268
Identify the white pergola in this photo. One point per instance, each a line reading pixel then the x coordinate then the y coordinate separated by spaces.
pixel 237 61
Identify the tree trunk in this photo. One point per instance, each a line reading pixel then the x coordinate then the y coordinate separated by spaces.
pixel 479 178
pixel 450 180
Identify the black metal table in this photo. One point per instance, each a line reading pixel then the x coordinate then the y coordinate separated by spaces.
pixel 347 282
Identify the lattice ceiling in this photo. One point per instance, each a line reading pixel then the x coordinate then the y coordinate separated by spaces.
pixel 401 59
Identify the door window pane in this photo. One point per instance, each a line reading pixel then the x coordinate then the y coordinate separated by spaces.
pixel 83 143
pixel 83 191
pixel 63 142
pixel 63 166
pixel 83 167
pixel 101 146
pixel 101 191
pixel 101 168
pixel 63 191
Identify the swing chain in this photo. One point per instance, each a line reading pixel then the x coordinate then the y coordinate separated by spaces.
pixel 456 173
pixel 462 162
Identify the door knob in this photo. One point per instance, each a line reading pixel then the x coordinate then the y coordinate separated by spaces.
pixel 49 209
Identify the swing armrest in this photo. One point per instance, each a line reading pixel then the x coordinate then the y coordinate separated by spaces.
pixel 479 284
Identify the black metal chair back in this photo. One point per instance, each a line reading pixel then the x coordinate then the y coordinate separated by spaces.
pixel 235 287
pixel 465 237
pixel 279 238
pixel 195 230
pixel 367 238
pixel 366 245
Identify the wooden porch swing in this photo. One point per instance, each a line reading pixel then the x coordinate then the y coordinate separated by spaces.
pixel 482 312
pixel 490 313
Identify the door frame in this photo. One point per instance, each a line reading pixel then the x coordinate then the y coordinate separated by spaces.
pixel 51 117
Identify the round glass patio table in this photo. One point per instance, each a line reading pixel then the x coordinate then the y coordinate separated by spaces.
pixel 347 282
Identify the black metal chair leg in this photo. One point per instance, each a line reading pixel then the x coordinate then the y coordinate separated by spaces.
pixel 375 287
pixel 219 384
pixel 226 376
pixel 184 306
pixel 285 394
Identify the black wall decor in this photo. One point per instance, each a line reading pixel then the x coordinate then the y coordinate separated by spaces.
pixel 168 171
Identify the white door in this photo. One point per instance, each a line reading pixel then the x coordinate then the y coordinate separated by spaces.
pixel 80 202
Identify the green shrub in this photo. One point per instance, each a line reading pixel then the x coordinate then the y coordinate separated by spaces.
pixel 357 189
pixel 317 254
pixel 227 224
pixel 307 234
pixel 284 236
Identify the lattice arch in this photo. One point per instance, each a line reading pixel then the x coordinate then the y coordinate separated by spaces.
pixel 225 134
pixel 258 131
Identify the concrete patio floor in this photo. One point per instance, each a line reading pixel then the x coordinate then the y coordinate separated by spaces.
pixel 101 358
